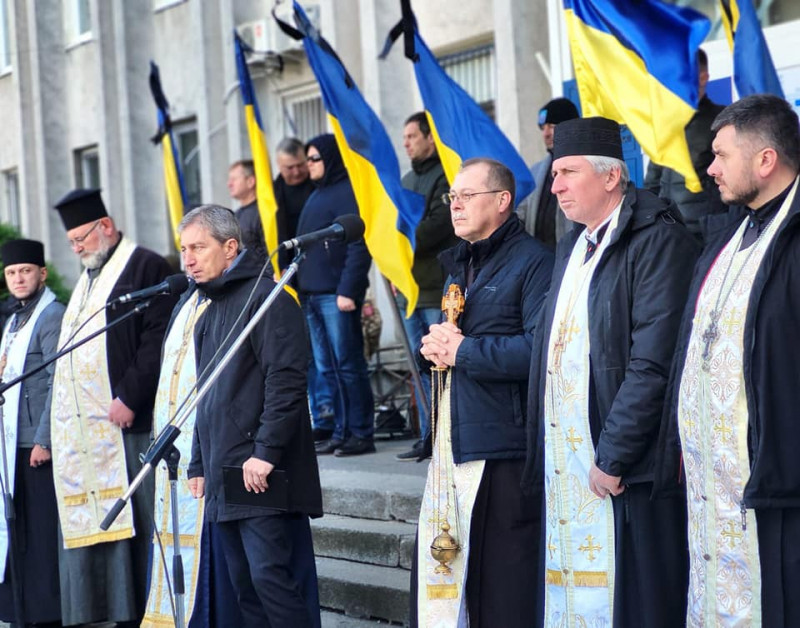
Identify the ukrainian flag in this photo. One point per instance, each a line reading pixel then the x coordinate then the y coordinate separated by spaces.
pixel 390 212
pixel 265 195
pixel 753 70
pixel 173 177
pixel 460 127
pixel 636 63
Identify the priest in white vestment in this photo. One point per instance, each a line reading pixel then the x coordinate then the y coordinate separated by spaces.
pixel 612 557
pixel 732 438
pixel 101 413
pixel 480 431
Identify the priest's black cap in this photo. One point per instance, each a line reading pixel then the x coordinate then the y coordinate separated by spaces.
pixel 80 207
pixel 556 111
pixel 22 252
pixel 587 136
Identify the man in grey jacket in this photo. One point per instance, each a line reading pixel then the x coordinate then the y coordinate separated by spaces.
pixel 540 213
pixel 30 337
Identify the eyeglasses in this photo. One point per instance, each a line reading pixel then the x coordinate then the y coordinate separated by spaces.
pixel 80 239
pixel 314 158
pixel 448 198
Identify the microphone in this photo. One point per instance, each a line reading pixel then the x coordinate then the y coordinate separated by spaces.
pixel 174 284
pixel 348 228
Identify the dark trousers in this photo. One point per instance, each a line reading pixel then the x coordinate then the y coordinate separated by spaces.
pixel 504 563
pixel 778 534
pixel 268 560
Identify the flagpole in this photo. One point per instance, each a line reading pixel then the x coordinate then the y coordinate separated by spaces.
pixel 412 362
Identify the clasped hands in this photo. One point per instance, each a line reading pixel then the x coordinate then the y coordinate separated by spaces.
pixel 440 345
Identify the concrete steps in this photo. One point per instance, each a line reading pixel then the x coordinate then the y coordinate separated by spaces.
pixel 363 591
pixel 365 542
pixel 383 543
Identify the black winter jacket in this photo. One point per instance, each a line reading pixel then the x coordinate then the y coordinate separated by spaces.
pixel 332 267
pixel 258 406
pixel 434 232
pixel 771 367
pixel 490 377
pixel 636 297
pixel 670 185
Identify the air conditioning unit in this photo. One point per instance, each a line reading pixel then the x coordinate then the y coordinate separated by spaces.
pixel 281 42
pixel 257 34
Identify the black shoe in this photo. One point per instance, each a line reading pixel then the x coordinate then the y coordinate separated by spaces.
pixel 321 434
pixel 328 446
pixel 355 447
pixel 412 454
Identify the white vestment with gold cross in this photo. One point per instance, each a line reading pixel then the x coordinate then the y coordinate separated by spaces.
pixel 725 573
pixel 450 493
pixel 176 384
pixel 579 527
pixel 88 456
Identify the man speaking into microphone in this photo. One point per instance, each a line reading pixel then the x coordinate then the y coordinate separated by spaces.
pixel 252 452
pixel 332 282
pixel 101 413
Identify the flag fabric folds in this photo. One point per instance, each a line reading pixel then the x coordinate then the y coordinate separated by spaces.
pixel 461 129
pixel 173 177
pixel 265 194
pixel 636 63
pixel 753 69
pixel 390 212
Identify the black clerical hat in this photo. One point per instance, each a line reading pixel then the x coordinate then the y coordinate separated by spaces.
pixel 22 252
pixel 80 207
pixel 587 136
pixel 556 111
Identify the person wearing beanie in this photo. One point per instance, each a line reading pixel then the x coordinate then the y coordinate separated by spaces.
pixel 30 337
pixel 540 213
pixel 101 417
pixel 600 366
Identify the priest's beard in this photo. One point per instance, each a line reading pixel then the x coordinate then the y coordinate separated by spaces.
pixel 96 259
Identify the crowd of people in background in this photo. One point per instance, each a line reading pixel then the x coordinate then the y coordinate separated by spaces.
pixel 618 435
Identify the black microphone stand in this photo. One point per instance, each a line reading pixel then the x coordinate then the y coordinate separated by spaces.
pixel 8 491
pixel 160 446
pixel 172 460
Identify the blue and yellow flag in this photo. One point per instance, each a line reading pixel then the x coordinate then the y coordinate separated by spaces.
pixel 753 69
pixel 461 129
pixel 636 63
pixel 390 212
pixel 265 195
pixel 173 177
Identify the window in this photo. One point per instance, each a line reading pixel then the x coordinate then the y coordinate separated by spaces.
pixel 5 38
pixel 304 115
pixel 474 70
pixel 79 21
pixel 770 12
pixel 87 167
pixel 187 145
pixel 11 186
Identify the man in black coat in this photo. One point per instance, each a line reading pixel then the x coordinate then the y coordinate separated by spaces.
pixel 671 185
pixel 504 274
pixel 730 439
pixel 254 418
pixel 433 235
pixel 598 377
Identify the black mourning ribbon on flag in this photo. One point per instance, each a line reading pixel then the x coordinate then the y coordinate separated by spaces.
pixel 161 103
pixel 406 27
pixel 306 29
